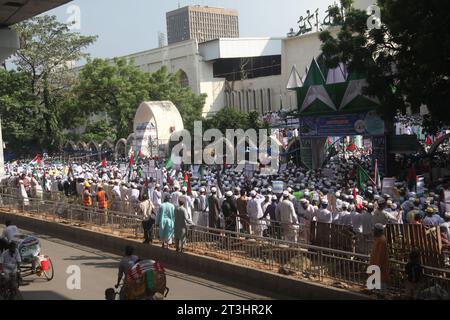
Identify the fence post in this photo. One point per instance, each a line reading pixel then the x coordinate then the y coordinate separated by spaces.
pixel 319 257
pixel 229 246
pixel 272 261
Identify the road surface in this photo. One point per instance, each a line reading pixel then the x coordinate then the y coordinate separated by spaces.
pixel 99 271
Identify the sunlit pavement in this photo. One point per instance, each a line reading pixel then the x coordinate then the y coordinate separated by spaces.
pixel 99 271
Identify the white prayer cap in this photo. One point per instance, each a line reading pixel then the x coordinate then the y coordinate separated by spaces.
pixel 158 185
pixel 213 189
pixel 184 189
pixel 286 194
pixel 202 189
pixel 253 193
pixel 229 194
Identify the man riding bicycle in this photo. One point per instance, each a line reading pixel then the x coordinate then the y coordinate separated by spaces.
pixel 127 262
pixel 9 234
pixel 10 265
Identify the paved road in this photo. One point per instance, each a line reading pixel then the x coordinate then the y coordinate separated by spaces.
pixel 99 271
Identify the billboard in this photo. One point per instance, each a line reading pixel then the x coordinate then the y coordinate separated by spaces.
pixel 338 125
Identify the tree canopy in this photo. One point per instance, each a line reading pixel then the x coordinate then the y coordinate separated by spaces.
pixel 48 51
pixel 118 87
pixel 230 118
pixel 45 101
pixel 406 60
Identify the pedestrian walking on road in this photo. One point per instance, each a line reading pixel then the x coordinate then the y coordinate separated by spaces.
pixel 165 222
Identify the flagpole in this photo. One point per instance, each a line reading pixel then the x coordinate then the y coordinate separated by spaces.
pixel 368 176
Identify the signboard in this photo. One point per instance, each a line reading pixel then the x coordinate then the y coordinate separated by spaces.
pixel 379 152
pixel 196 171
pixel 144 133
pixel 404 144
pixel 249 170
pixel 362 123
pixel 420 186
pixel 159 177
pixel 447 201
pixel 388 186
pixel 277 187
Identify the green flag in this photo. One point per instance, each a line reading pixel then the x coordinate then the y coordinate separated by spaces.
pixel 169 164
pixel 363 177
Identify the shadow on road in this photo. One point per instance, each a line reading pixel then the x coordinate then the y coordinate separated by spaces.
pixel 94 261
pixel 42 295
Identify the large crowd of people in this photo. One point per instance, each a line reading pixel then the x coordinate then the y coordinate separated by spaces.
pixel 219 197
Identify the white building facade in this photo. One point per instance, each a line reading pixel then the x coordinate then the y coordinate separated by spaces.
pixel 249 74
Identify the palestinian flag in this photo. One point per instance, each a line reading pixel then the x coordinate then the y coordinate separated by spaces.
pixel 36 161
pixel 187 182
pixel 352 147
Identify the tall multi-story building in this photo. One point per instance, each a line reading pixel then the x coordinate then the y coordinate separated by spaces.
pixel 202 24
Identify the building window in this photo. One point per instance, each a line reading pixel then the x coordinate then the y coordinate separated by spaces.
pixel 269 99
pixel 262 101
pixel 248 100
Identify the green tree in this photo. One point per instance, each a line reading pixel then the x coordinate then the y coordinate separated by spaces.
pixel 230 118
pixel 48 51
pixel 165 86
pixel 99 131
pixel 20 113
pixel 405 61
pixel 116 87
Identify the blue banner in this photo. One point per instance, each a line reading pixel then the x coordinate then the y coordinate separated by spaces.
pixel 363 123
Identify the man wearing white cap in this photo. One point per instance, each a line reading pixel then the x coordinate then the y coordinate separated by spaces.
pixel 116 197
pixel 229 211
pixel 156 197
pixel 324 215
pixel 165 191
pixel 182 219
pixel 308 213
pixel 214 209
pixel 288 218
pixel 254 211
pixel 381 215
pixel 188 202
pixel 134 198
pixel 175 195
pixel 345 218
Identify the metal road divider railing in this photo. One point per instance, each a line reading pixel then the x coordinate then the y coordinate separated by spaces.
pixel 297 259
pixel 313 263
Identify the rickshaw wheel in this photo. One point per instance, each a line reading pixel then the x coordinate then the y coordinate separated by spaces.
pixel 50 272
